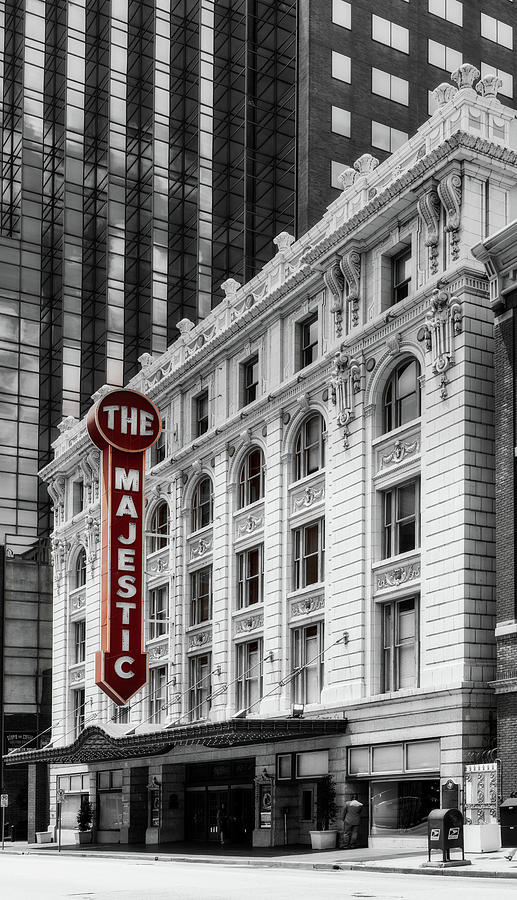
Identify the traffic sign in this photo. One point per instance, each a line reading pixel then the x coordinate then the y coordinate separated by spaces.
pixel 4 800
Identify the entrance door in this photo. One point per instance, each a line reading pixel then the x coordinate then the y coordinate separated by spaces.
pixel 361 789
pixel 242 814
pixel 217 814
pixel 195 817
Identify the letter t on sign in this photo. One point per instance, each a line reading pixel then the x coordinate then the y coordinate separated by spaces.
pixel 123 425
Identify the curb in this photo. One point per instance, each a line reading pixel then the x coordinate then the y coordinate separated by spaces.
pixel 244 862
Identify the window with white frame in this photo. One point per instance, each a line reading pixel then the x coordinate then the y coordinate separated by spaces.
pixel 307 340
pixel 451 10
pixel 341 67
pixel 400 644
pixel 443 57
pixel 251 478
pixel 401 519
pixel 307 650
pixel 78 702
pixel 401 265
pixel 401 401
pixel 249 380
pixel 250 576
pixel 79 641
pixel 159 528
pixel 201 596
pixel 390 86
pixel 506 78
pixel 157 694
pixel 80 569
pixel 496 31
pixel 202 504
pixel 391 34
pixel 341 120
pixel 309 448
pixel 158 611
pixel 159 449
pixel 387 138
pixel 342 13
pixel 77 497
pixel 200 687
pixel 309 554
pixel 200 414
pixel 249 674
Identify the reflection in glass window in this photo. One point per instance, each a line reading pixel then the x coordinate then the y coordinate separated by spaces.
pixel 310 447
pixel 390 86
pixel 199 686
pixel 451 10
pixel 158 611
pixel 250 573
pixel 387 138
pixel 307 650
pixel 443 57
pixel 249 674
pixel 391 34
pixel 400 645
pixel 309 554
pixel 157 694
pixel 201 596
pixel 401 519
pixel 251 478
pixel 159 528
pixel 403 806
pixel 497 31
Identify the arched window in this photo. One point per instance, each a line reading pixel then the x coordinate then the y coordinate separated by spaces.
pixel 80 569
pixel 202 505
pixel 402 395
pixel 251 478
pixel 159 528
pixel 309 451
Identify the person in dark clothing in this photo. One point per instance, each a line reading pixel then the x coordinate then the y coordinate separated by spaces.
pixel 351 818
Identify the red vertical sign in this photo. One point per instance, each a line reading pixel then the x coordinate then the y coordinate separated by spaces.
pixel 123 424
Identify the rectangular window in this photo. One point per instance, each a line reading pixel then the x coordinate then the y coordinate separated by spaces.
pixel 77 497
pixel 401 270
pixel 390 86
pixel 342 13
pixel 157 695
pixel 121 714
pixel 201 414
pixel 387 138
pixel 249 675
pixel 78 708
pixel 336 169
pixel 309 554
pixel 391 34
pixel 250 569
pixel 341 67
pixel 496 31
pixel 451 10
pixel 158 611
pixel 341 122
pixel 79 641
pixel 199 687
pixel 307 649
pixel 308 340
pixel 443 57
pixel 401 519
pixel 400 645
pixel 158 450
pixel 249 380
pixel 201 596
pixel 307 806
pixel 506 78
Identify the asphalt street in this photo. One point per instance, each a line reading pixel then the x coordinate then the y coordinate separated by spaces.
pixel 54 878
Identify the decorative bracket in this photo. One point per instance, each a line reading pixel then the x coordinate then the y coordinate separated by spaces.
pixel 449 192
pixel 443 323
pixel 351 268
pixel 345 383
pixel 428 208
pixel 335 282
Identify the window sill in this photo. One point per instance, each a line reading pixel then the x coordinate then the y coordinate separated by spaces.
pixel 396 432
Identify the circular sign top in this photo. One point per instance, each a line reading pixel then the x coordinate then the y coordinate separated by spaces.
pixel 124 419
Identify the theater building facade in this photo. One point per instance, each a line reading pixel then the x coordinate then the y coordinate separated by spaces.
pixel 320 557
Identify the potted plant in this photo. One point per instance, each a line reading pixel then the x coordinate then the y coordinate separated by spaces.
pixel 84 823
pixel 324 838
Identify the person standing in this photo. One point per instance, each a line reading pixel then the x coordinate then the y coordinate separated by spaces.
pixel 351 818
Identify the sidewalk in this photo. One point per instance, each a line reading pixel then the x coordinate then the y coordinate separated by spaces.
pixel 482 865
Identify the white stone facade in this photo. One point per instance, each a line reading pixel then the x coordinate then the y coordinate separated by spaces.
pixel 400 602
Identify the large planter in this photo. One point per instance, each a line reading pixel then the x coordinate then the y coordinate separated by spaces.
pixel 482 838
pixel 43 837
pixel 83 837
pixel 323 840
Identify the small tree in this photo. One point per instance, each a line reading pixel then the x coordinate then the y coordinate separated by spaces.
pixel 326 807
pixel 85 816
